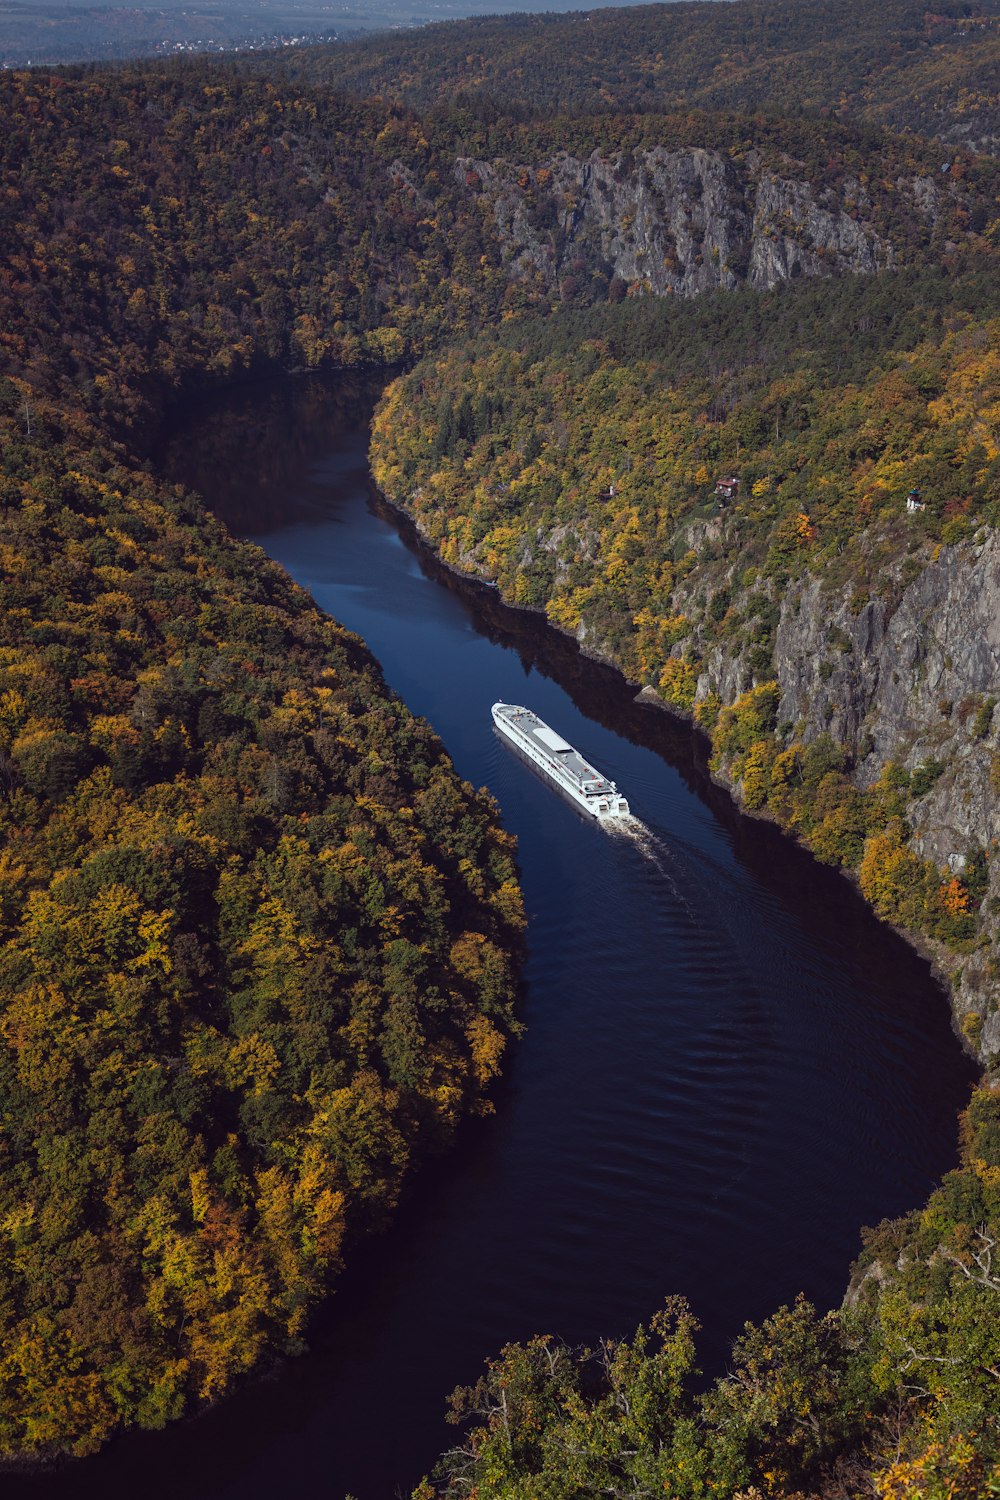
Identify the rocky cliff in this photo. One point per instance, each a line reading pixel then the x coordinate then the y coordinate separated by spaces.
pixel 909 677
pixel 777 511
pixel 685 221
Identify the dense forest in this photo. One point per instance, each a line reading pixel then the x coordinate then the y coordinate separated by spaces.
pixel 163 227
pixel 931 71
pixel 257 953
pixel 259 942
pixel 168 227
pixel 573 460
pixel 580 475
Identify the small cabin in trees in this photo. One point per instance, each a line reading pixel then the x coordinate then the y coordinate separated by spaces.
pixel 727 489
pixel 914 502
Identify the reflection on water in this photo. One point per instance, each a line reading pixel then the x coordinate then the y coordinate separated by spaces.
pixel 247 455
pixel 728 1065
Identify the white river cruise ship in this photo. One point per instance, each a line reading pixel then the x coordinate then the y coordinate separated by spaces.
pixel 559 761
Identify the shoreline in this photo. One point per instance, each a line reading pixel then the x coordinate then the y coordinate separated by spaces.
pixel 647 697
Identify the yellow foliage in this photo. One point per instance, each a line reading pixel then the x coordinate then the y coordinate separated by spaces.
pixel 49 1400
pixel 757 773
pixel 952 1470
pixel 892 877
pixel 679 682
pixel 509 903
pixel 787 766
pixel 486 1045
pixel 200 1194
pixel 251 1061
pixel 564 610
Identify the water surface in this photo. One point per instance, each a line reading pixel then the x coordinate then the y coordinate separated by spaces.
pixel 728 1066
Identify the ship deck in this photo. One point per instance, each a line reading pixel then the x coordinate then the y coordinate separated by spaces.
pixel 554 747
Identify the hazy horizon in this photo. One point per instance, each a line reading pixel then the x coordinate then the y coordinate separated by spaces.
pixel 43 32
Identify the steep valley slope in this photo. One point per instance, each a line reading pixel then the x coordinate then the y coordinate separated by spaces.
pixel 259 942
pixel 830 618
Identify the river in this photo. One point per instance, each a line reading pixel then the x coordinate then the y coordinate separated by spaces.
pixel 728 1066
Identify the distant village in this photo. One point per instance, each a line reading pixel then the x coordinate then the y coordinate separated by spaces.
pixel 48 33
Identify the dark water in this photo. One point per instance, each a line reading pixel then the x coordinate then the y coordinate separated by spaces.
pixel 729 1067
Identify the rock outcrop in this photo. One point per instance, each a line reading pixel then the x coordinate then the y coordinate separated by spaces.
pixel 911 677
pixel 681 222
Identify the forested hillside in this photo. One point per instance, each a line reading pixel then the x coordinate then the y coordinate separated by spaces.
pixel 165 228
pixel 900 64
pixel 256 953
pixel 191 224
pixel 259 942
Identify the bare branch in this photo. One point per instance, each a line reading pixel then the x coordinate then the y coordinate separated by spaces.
pixel 980 1273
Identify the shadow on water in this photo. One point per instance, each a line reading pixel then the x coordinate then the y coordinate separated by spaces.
pixel 817 894
pixel 729 1065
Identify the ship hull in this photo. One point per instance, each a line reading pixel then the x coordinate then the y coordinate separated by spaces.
pixel 559 762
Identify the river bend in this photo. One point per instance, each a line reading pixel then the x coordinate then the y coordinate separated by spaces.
pixel 728 1065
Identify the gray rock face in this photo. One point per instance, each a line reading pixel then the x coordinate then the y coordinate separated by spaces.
pixel 893 683
pixel 913 684
pixel 910 676
pixel 678 222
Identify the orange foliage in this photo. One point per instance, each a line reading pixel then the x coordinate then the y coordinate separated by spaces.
pixel 954 897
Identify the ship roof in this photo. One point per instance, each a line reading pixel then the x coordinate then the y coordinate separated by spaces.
pixel 550 738
pixel 563 755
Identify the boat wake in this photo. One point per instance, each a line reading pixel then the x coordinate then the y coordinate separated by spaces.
pixel 652 846
pixel 628 826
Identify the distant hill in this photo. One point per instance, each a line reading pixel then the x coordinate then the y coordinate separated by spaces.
pixel 705 371
pixel 47 32
pixel 899 63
